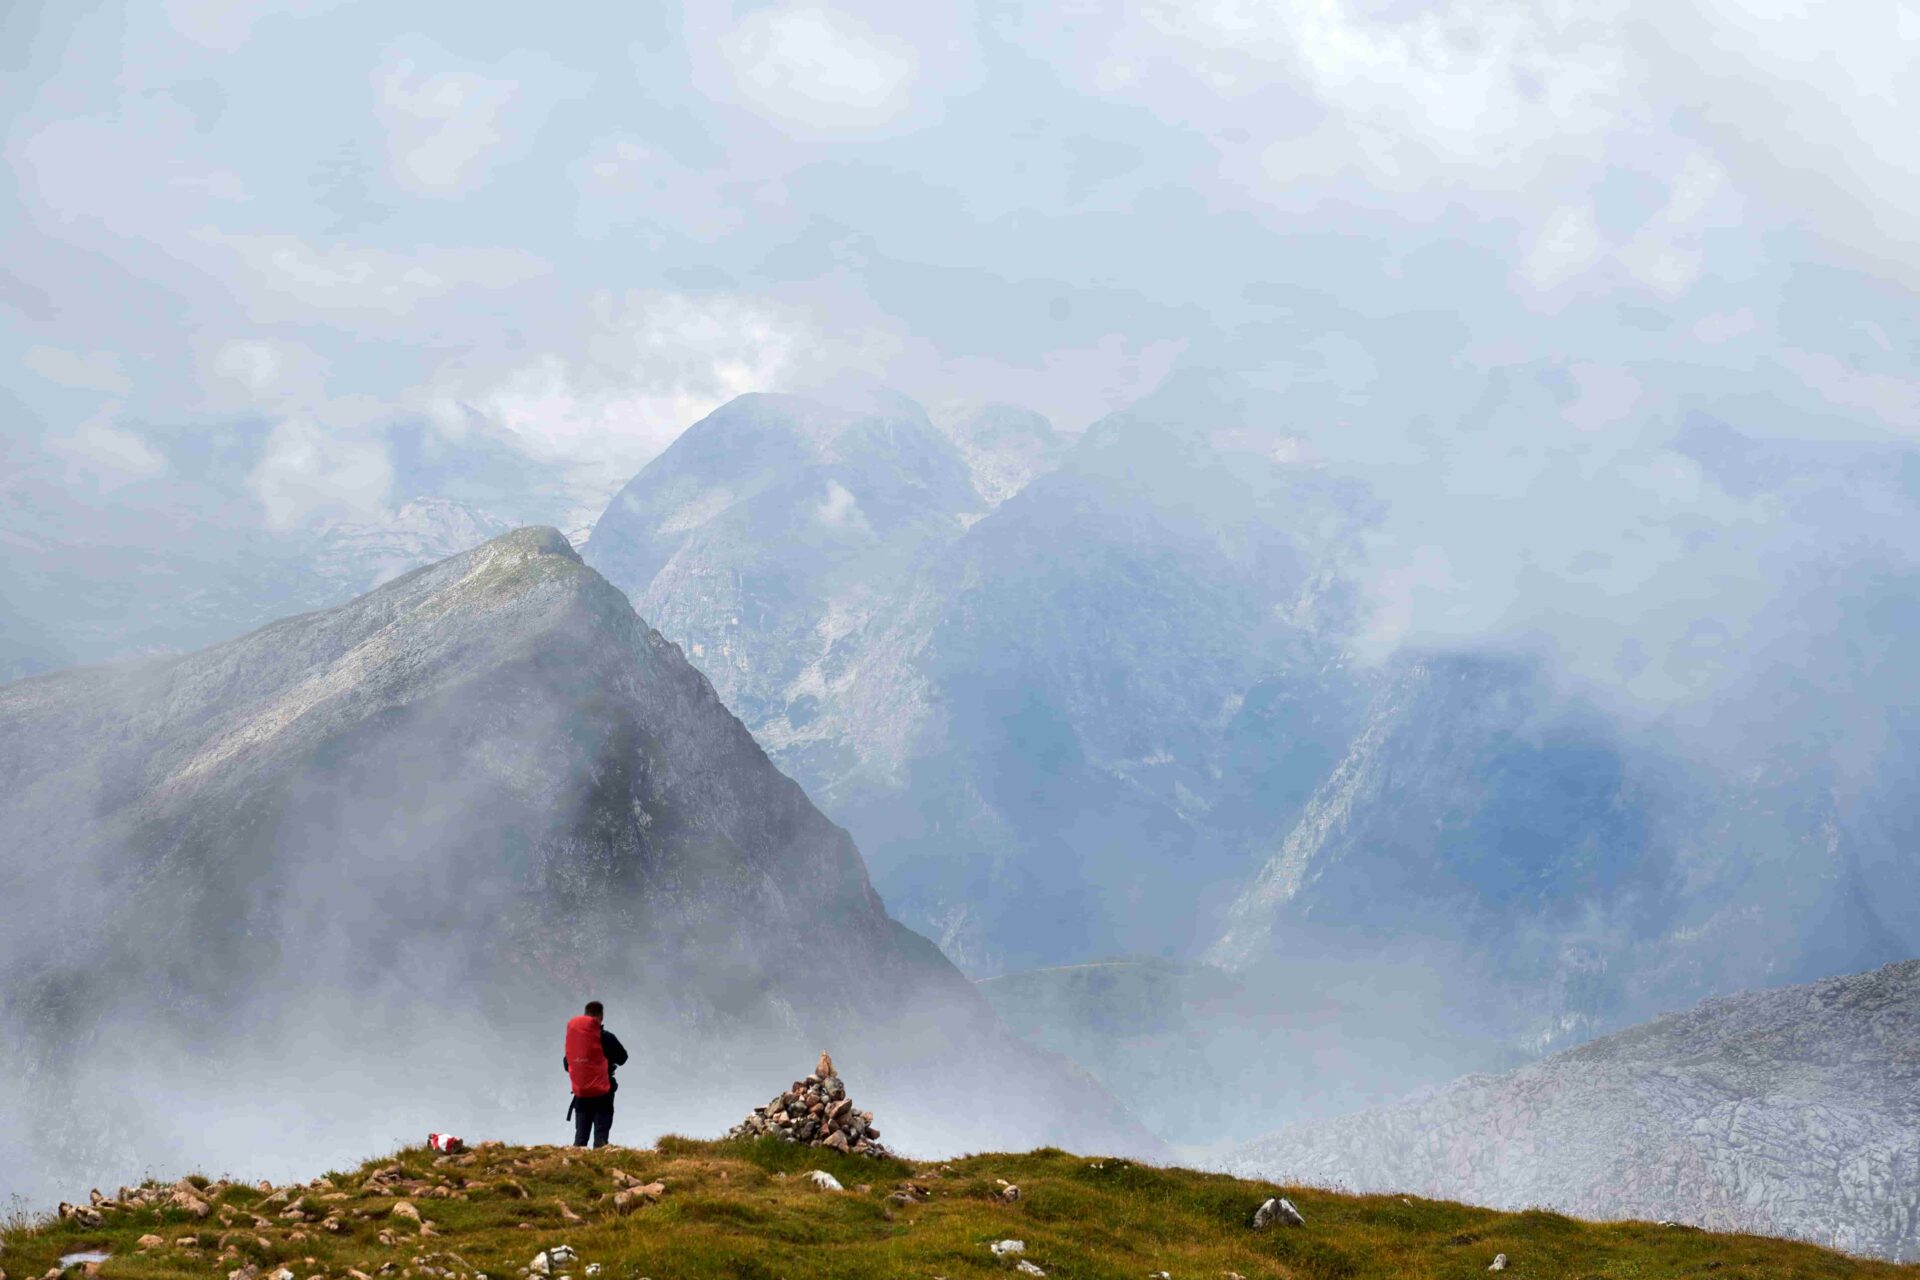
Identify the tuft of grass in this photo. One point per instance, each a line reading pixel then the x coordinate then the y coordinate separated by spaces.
pixel 744 1210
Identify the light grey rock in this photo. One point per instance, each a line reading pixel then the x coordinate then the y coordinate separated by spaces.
pixel 1792 1112
pixel 824 1180
pixel 1006 1248
pixel 1280 1210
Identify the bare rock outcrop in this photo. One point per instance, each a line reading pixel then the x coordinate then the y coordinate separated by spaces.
pixel 1792 1112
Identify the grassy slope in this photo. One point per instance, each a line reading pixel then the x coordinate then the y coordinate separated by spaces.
pixel 743 1211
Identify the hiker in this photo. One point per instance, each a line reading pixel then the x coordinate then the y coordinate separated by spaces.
pixel 592 1054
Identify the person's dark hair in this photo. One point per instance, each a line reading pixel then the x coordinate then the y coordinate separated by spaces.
pixel 595 1009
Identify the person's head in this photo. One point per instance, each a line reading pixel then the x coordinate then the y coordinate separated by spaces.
pixel 595 1009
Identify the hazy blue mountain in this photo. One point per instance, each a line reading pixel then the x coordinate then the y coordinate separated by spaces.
pixel 1793 1111
pixel 1026 716
pixel 1118 713
pixel 1101 661
pixel 1004 445
pixel 774 537
pixel 347 875
pixel 1478 818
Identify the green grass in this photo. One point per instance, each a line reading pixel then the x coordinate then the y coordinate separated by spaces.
pixel 745 1211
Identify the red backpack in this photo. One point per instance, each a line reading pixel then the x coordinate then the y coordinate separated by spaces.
pixel 586 1060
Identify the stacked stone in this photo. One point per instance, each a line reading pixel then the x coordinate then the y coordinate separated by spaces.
pixel 815 1112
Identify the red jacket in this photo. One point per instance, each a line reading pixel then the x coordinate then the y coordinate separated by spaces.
pixel 586 1060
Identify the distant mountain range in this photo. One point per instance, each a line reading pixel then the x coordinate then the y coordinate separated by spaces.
pixel 1786 1112
pixel 348 875
pixel 1094 710
pixel 1113 711
pixel 91 585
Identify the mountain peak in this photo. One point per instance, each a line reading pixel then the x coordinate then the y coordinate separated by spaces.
pixel 532 540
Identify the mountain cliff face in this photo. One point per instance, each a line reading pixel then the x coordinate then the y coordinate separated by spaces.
pixel 774 537
pixel 1793 1111
pixel 1477 818
pixel 364 861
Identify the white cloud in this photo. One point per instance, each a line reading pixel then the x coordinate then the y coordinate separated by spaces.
pixel 109 454
pixel 1567 244
pixel 441 125
pixel 1814 104
pixel 1412 596
pixel 818 68
pixel 94 371
pixel 312 470
pixel 651 363
pixel 840 509
pixel 1475 93
pixel 262 371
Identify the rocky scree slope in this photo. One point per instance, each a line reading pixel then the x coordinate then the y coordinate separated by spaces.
pixel 362 860
pixel 1793 1112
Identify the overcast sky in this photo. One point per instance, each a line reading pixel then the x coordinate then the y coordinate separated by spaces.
pixel 580 226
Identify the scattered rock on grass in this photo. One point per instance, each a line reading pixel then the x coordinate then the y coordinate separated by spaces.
pixel 1027 1268
pixel 636 1195
pixel 552 1261
pixel 1002 1248
pixel 1277 1209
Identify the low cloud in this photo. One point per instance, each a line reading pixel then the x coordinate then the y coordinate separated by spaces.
pixel 311 471
pixel 106 454
pixel 811 66
pixel 250 372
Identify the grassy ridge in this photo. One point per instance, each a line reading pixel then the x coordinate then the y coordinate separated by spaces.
pixel 745 1211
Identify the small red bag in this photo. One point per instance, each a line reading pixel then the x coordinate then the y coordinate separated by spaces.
pixel 445 1142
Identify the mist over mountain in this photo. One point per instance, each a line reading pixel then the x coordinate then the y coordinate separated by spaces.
pixel 1021 714
pixel 205 544
pixel 1283 553
pixel 1788 1112
pixel 1129 710
pixel 347 874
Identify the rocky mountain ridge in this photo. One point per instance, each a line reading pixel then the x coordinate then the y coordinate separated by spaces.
pixel 425 821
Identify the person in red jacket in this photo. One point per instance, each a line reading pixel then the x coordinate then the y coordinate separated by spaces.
pixel 593 1052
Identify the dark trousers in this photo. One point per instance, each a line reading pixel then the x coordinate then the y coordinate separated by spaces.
pixel 592 1115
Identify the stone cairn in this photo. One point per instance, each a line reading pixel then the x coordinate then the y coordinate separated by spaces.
pixel 815 1112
